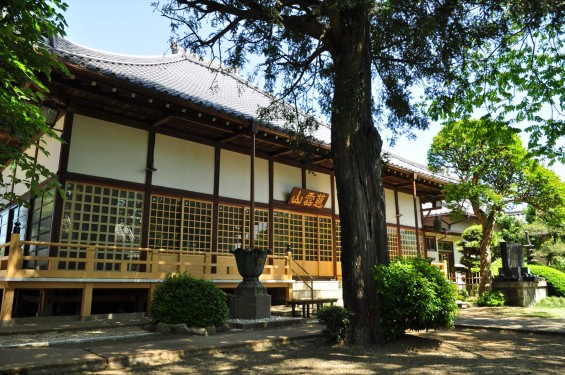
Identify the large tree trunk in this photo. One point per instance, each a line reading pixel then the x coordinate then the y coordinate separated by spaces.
pixel 486 276
pixel 356 146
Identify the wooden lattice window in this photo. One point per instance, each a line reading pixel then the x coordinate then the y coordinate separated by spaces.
pixel 445 246
pixel 310 238
pixel 165 222
pixel 261 228
pixel 408 242
pixel 338 240
pixel 325 238
pixel 281 232
pixel 102 215
pixel 99 215
pixel 392 235
pixel 430 243
pixel 288 229
pixel 230 228
pixel 296 235
pixel 196 225
pixel 40 228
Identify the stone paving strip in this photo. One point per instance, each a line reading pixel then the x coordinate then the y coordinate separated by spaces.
pixel 51 338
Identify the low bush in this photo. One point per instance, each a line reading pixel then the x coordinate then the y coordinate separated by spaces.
pixel 413 295
pixel 552 302
pixel 181 298
pixel 555 279
pixel 491 299
pixel 336 320
pixel 558 263
pixel 463 294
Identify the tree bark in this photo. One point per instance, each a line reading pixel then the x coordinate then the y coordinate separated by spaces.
pixel 356 147
pixel 484 269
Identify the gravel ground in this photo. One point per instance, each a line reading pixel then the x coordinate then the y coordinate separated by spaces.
pixel 458 351
pixel 63 337
pixel 461 351
pixel 72 337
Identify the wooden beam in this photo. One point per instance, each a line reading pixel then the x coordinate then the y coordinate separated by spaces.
pixel 229 139
pixel 162 121
pixel 282 153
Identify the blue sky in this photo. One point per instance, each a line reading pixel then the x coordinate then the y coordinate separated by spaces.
pixel 131 27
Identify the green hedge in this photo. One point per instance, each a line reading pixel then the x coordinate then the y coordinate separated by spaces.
pixel 337 320
pixel 555 278
pixel 491 299
pixel 181 298
pixel 413 294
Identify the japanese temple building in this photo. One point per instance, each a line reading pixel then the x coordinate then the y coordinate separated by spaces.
pixel 156 168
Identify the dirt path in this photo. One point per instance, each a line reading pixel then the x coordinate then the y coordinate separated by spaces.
pixel 462 351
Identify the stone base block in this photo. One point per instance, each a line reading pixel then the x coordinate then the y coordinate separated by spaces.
pixel 250 306
pixel 522 293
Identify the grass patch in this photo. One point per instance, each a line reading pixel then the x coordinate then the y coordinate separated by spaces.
pixel 552 302
pixel 532 312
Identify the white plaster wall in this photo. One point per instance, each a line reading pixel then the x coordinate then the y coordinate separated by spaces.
pixel 390 207
pixel 183 164
pixel 406 208
pixel 53 147
pixel 434 255
pixel 235 177
pixel 7 177
pixel 459 225
pixel 320 182
pixel 104 149
pixel 285 178
pixel 261 180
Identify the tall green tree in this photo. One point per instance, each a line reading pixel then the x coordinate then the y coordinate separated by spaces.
pixel 356 60
pixel 25 68
pixel 512 229
pixel 495 172
pixel 519 80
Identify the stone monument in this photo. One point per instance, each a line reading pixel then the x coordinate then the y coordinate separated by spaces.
pixel 513 269
pixel 515 281
pixel 250 299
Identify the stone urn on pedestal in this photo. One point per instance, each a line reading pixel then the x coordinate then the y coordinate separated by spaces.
pixel 250 299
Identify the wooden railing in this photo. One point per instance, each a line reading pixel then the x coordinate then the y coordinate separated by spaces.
pixel 116 262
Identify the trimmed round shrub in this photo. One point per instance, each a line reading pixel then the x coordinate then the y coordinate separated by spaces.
pixel 181 298
pixel 555 278
pixel 491 299
pixel 413 295
pixel 337 320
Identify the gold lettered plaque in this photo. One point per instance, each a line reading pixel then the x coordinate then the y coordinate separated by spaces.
pixel 307 198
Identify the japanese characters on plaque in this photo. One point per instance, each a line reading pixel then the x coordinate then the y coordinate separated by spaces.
pixel 307 198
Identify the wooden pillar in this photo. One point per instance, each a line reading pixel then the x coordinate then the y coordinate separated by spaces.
pixel 7 303
pixel 398 215
pixel 334 225
pixel 15 255
pixel 289 293
pixel 152 287
pixel 45 303
pixel 415 199
pixel 62 177
pixel 86 302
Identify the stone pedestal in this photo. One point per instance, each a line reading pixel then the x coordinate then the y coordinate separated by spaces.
pixel 250 306
pixel 521 293
pixel 250 299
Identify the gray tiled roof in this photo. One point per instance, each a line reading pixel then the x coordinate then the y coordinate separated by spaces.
pixel 200 82
pixel 181 75
pixel 420 169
